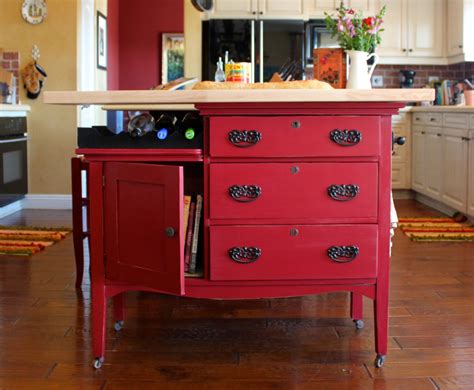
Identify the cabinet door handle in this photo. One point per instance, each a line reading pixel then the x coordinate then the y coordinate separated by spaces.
pixel 404 50
pixel 343 254
pixel 245 193
pixel 343 192
pixel 244 138
pixel 410 50
pixel 170 232
pixel 422 132
pixel 465 138
pixel 345 137
pixel 245 254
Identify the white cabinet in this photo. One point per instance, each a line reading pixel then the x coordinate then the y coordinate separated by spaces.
pixel 418 182
pixel 414 31
pixel 317 8
pixel 401 170
pixel 455 152
pixel 455 26
pixel 281 9
pixel 262 9
pixel 232 9
pixel 470 172
pixel 433 164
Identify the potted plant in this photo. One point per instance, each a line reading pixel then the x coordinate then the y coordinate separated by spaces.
pixel 358 36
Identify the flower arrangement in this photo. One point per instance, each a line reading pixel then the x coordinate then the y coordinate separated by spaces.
pixel 353 31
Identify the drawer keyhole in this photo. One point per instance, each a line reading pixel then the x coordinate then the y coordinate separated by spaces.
pixel 296 124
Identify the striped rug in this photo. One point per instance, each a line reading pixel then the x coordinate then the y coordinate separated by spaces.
pixel 26 241
pixel 436 229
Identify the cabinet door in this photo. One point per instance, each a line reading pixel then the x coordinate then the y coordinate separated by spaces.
pixel 281 9
pixel 418 163
pixel 317 8
pixel 425 28
pixel 455 27
pixel 366 6
pixel 455 151
pixel 394 38
pixel 143 225
pixel 433 162
pixel 470 183
pixel 231 9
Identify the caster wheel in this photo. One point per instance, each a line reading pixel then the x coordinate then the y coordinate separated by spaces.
pixel 98 362
pixel 379 361
pixel 359 324
pixel 118 326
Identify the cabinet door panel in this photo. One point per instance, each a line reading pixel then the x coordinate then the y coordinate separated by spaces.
pixel 234 9
pixel 141 202
pixel 434 163
pixel 455 177
pixel 425 25
pixel 281 8
pixel 418 162
pixel 455 27
pixel 394 38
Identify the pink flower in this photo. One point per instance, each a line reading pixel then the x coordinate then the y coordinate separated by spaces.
pixel 351 11
pixel 377 24
pixel 350 27
pixel 340 26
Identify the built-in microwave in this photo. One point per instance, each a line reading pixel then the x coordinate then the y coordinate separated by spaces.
pixel 317 36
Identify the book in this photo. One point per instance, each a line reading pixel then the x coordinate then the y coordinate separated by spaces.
pixel 187 203
pixel 329 65
pixel 189 236
pixel 194 247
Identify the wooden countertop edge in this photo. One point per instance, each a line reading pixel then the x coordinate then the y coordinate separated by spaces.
pixel 236 96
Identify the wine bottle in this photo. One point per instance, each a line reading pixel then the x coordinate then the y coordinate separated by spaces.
pixel 190 126
pixel 140 124
pixel 165 126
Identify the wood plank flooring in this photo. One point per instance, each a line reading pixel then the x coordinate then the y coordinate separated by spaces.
pixel 296 343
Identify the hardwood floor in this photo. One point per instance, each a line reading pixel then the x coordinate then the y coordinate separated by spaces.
pixel 295 343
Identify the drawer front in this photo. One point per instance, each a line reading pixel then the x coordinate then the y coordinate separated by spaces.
pixel 427 118
pixel 294 190
pixel 294 136
pixel 456 120
pixel 293 252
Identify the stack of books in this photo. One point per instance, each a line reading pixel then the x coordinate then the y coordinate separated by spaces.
pixel 192 222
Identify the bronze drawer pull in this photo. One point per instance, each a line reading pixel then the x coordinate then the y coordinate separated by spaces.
pixel 343 254
pixel 343 192
pixel 244 138
pixel 244 254
pixel 245 193
pixel 345 137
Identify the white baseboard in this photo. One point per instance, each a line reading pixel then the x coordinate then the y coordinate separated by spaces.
pixel 47 201
pixel 5 211
pixel 434 204
pixel 403 194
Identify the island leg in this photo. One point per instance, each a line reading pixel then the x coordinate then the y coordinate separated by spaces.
pixel 357 309
pixel 381 323
pixel 118 312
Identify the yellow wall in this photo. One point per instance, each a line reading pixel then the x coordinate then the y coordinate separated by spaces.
pixel 51 128
pixel 192 41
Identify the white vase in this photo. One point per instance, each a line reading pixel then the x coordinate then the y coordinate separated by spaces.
pixel 359 71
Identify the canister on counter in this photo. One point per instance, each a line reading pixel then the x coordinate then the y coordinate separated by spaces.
pixel 238 72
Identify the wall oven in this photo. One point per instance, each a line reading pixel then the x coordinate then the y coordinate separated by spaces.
pixel 13 157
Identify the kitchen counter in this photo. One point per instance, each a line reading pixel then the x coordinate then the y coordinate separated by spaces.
pixel 468 109
pixel 14 107
pixel 238 96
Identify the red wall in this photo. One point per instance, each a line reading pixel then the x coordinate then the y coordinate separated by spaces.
pixel 113 45
pixel 140 25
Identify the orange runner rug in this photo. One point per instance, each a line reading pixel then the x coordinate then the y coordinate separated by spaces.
pixel 26 241
pixel 436 229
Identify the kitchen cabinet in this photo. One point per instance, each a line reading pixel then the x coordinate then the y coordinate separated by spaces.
pixel 433 164
pixel 455 162
pixel 460 29
pixel 413 32
pixel 317 8
pixel 419 159
pixel 401 156
pixel 470 171
pixel 261 9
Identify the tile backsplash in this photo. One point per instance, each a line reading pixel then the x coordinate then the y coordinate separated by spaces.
pixel 391 73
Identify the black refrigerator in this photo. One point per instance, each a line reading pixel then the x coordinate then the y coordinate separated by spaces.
pixel 266 44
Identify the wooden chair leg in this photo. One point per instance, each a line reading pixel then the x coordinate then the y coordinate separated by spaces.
pixel 77 222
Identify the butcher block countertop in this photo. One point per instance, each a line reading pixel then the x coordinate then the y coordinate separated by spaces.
pixel 238 96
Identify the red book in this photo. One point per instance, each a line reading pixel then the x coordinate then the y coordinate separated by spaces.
pixel 189 236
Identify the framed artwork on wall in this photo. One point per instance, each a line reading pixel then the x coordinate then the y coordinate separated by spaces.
pixel 172 57
pixel 101 41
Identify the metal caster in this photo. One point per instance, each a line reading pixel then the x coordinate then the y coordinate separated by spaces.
pixel 359 324
pixel 118 326
pixel 98 362
pixel 379 361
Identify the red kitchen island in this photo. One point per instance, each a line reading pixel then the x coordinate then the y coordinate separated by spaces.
pixel 296 187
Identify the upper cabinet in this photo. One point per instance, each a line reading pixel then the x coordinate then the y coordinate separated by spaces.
pixel 460 29
pixel 414 32
pixel 261 9
pixel 317 8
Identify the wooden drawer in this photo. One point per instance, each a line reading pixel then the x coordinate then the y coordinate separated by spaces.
pixel 426 118
pixel 296 191
pixel 293 252
pixel 289 136
pixel 456 120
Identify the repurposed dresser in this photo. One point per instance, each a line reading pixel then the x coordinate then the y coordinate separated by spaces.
pixel 296 202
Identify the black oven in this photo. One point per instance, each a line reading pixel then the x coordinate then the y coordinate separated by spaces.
pixel 13 157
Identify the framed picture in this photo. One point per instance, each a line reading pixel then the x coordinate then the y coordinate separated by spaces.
pixel 172 57
pixel 101 41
